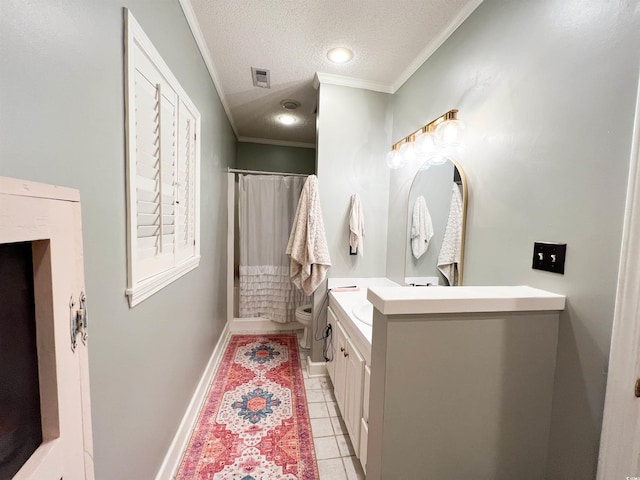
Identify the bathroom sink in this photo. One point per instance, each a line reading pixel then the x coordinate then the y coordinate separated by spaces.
pixel 364 312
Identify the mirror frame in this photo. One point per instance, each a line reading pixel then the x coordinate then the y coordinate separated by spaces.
pixel 465 196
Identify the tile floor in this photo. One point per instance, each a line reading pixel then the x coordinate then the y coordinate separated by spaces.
pixel 334 452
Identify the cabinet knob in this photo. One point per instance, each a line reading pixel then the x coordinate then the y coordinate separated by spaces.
pixel 346 354
pixel 342 349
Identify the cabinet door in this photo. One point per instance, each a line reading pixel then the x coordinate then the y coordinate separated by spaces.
pixel 365 393
pixel 52 229
pixel 340 367
pixel 364 441
pixel 331 365
pixel 354 386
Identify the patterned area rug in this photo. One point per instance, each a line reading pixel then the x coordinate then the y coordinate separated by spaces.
pixel 254 424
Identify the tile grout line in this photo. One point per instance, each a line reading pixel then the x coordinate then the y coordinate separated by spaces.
pixel 335 434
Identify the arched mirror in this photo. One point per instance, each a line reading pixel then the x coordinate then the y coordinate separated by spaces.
pixel 436 214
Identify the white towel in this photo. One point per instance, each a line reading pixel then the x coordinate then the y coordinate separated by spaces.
pixel 449 257
pixel 307 243
pixel 421 227
pixel 356 225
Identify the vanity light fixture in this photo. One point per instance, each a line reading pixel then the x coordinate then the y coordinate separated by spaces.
pixel 431 143
pixel 340 55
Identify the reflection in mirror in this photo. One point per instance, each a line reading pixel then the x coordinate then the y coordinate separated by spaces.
pixel 435 226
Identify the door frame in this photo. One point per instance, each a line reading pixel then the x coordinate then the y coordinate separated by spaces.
pixel 620 440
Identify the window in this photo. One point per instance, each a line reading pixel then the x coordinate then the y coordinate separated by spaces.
pixel 163 170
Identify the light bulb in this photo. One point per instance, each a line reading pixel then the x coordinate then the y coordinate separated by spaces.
pixel 449 133
pixel 395 160
pixel 287 119
pixel 426 143
pixel 408 152
pixel 340 55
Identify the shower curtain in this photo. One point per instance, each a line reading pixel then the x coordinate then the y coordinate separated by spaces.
pixel 266 209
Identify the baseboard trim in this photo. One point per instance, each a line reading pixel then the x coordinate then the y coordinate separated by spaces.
pixel 172 459
pixel 316 369
pixel 261 325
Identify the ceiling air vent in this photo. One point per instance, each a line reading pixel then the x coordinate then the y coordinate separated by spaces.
pixel 260 77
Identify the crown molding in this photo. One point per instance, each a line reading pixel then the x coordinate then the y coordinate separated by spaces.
pixel 436 43
pixel 192 20
pixel 350 82
pixel 320 77
pixel 417 62
pixel 282 143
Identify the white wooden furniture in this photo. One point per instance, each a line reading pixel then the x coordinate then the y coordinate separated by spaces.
pixel 461 382
pixel 49 218
pixel 347 372
pixel 350 370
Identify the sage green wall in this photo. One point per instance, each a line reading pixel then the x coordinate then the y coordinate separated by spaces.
pixel 62 122
pixel 354 132
pixel 275 158
pixel 354 128
pixel 547 90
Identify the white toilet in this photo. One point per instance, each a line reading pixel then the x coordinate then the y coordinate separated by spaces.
pixel 304 316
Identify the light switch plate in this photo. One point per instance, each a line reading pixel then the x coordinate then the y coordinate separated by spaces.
pixel 549 256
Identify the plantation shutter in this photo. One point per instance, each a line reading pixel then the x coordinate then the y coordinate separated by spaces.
pixel 155 144
pixel 162 171
pixel 186 191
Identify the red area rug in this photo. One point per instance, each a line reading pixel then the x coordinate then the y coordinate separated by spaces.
pixel 254 424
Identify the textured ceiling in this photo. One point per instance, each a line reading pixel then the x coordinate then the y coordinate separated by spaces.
pixel 390 39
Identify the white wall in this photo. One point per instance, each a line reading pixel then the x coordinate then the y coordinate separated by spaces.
pixel 547 90
pixel 62 122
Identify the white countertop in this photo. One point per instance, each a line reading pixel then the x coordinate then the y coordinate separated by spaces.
pixel 425 300
pixel 392 299
pixel 345 302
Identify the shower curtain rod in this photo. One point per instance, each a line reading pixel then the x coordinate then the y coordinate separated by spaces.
pixel 257 172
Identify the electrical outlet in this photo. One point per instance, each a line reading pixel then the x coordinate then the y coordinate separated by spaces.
pixel 549 256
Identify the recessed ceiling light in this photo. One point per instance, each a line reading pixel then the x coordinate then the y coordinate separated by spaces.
pixel 289 104
pixel 287 119
pixel 340 55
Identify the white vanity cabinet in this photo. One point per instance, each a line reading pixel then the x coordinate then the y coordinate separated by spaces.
pixel 347 372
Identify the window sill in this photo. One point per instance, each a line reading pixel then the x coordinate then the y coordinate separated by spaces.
pixel 148 287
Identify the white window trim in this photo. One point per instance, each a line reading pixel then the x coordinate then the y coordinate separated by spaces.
pixel 137 291
pixel 145 289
